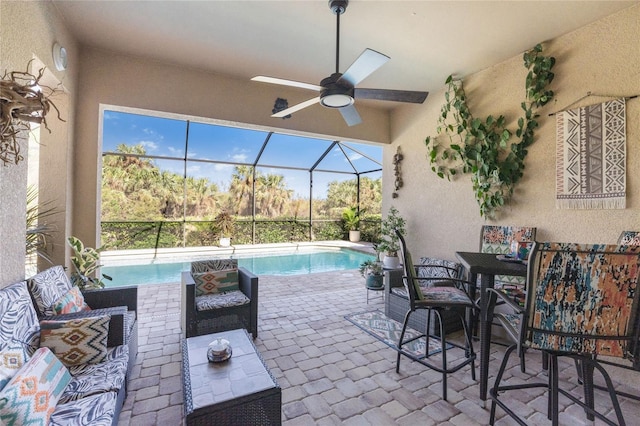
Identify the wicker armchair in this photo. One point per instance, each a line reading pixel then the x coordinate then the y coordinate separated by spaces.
pixel 211 314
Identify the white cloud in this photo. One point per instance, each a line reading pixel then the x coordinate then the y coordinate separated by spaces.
pixel 222 167
pixel 175 151
pixel 109 116
pixel 239 158
pixel 149 145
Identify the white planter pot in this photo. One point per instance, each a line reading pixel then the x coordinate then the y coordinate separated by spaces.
pixel 225 242
pixel 391 262
pixel 354 236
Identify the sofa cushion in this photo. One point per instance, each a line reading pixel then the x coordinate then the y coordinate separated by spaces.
pixel 94 410
pixel 18 319
pixel 12 358
pixel 31 396
pixel 90 379
pixel 221 300
pixel 47 287
pixel 77 341
pixel 212 282
pixel 71 301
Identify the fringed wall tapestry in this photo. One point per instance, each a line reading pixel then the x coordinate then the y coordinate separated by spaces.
pixel 591 157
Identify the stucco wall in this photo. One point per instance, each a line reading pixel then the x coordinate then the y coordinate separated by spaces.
pixel 29 29
pixel 443 217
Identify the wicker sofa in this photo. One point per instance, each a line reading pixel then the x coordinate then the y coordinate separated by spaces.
pixel 82 383
pixel 396 300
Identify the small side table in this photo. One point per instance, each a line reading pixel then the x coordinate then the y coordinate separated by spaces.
pixel 240 391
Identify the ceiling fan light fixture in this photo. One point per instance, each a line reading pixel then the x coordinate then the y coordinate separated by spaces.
pixel 337 100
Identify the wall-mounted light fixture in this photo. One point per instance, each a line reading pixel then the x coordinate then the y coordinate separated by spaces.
pixel 59 57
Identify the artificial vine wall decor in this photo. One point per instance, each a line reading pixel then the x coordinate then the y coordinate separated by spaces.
pixel 483 147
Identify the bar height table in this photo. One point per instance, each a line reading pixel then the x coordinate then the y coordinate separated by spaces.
pixel 487 266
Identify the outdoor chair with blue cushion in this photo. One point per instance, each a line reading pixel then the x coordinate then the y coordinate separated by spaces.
pixel 435 292
pixel 582 303
pixel 217 295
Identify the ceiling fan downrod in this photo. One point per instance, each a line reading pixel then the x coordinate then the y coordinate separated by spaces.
pixel 338 7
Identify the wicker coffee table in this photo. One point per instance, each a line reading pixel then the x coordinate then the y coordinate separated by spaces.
pixel 235 392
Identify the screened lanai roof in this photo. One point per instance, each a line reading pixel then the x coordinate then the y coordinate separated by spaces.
pixel 168 138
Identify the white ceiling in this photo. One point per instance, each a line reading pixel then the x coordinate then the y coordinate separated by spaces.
pixel 296 40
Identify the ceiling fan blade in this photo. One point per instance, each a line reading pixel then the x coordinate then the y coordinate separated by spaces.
pixel 283 82
pixel 297 107
pixel 361 68
pixel 391 95
pixel 350 115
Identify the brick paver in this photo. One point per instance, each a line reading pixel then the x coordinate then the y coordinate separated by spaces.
pixel 330 371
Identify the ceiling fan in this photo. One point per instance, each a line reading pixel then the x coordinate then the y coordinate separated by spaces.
pixel 338 90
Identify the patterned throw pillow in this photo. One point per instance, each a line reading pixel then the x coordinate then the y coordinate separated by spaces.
pixel 12 358
pixel 212 282
pixel 77 341
pixel 31 396
pixel 72 301
pixel 432 267
pixel 47 287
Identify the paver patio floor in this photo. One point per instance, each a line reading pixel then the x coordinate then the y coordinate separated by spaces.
pixel 330 371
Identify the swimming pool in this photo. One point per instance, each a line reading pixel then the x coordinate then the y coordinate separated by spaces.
pixel 292 263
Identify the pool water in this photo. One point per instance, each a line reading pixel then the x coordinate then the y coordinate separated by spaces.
pixel 299 263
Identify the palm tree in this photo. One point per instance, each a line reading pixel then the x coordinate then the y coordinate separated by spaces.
pixel 241 188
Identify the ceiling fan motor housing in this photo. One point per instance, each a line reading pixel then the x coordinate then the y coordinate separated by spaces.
pixel 335 93
pixel 338 6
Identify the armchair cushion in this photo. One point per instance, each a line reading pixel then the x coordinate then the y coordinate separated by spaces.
pixel 31 396
pixel 47 287
pixel 212 282
pixel 221 300
pixel 71 301
pixel 77 341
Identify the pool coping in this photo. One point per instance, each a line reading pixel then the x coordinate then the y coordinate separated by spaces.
pixel 132 257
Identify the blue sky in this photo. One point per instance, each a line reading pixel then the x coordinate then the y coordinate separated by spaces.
pixel 166 137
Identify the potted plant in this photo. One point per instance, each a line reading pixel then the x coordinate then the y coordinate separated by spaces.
pixel 86 262
pixel 372 270
pixel 389 243
pixel 351 219
pixel 224 225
